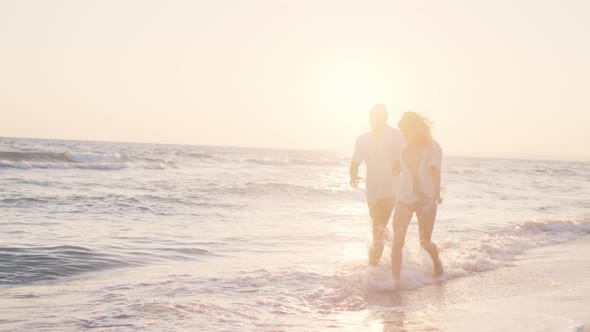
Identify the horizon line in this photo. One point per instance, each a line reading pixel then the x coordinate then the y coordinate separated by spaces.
pixel 452 155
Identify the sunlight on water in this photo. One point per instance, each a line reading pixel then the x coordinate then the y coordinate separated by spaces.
pixel 355 252
pixel 249 239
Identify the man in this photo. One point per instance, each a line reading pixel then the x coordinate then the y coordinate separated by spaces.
pixel 380 150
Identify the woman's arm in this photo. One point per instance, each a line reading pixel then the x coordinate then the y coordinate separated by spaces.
pixel 436 176
pixel 435 167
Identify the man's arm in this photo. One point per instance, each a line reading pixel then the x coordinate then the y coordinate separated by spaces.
pixel 355 163
pixel 354 174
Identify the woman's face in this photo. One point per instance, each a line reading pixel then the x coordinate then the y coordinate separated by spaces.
pixel 411 133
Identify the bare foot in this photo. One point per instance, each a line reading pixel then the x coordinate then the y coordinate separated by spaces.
pixel 373 259
pixel 438 269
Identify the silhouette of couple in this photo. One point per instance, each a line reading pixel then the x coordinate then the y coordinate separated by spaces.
pixel 403 172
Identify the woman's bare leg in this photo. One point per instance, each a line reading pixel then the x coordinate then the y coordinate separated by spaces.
pixel 401 219
pixel 426 218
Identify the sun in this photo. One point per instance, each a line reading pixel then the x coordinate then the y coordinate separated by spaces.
pixel 347 90
pixel 350 89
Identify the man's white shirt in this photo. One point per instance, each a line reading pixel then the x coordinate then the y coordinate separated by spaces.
pixel 380 153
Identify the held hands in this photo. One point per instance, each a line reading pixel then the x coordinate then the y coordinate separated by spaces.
pixel 397 168
pixel 441 195
pixel 354 181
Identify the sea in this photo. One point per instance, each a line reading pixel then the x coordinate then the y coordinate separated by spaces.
pixel 104 236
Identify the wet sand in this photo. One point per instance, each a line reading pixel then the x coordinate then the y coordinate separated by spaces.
pixel 547 289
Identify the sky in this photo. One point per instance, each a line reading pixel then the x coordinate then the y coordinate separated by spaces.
pixel 497 78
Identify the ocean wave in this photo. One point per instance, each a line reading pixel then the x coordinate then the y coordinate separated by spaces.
pixel 500 248
pixel 465 171
pixel 21 265
pixel 283 188
pixel 83 160
pixel 111 160
pixel 353 290
pixel 297 162
pixel 358 286
pixel 197 155
pixel 22 201
pixel 269 162
pixel 32 264
pixel 260 157
pixel 463 258
pixel 299 290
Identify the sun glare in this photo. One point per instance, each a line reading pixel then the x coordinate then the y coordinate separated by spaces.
pixel 351 90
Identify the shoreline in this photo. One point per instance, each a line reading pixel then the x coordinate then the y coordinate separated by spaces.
pixel 547 289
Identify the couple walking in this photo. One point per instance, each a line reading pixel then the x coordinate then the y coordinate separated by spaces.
pixel 403 171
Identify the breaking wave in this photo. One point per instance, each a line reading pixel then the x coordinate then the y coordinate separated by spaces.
pixel 463 258
pixel 84 160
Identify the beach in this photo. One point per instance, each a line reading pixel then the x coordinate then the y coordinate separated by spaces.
pixel 102 236
pixel 229 166
pixel 548 289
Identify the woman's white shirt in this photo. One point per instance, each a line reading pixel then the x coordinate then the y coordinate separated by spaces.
pixel 431 156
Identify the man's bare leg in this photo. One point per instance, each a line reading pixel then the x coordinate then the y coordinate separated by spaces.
pixel 401 221
pixel 380 213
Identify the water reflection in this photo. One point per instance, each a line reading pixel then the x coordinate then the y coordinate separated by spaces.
pixel 406 310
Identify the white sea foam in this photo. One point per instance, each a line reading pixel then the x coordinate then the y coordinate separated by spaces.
pixel 82 160
pixel 462 258
pixel 93 158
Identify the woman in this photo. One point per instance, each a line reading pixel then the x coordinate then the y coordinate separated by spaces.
pixel 419 189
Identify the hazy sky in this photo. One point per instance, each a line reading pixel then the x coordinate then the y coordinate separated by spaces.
pixel 502 77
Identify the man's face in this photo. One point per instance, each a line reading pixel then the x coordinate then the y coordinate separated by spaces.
pixel 377 120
